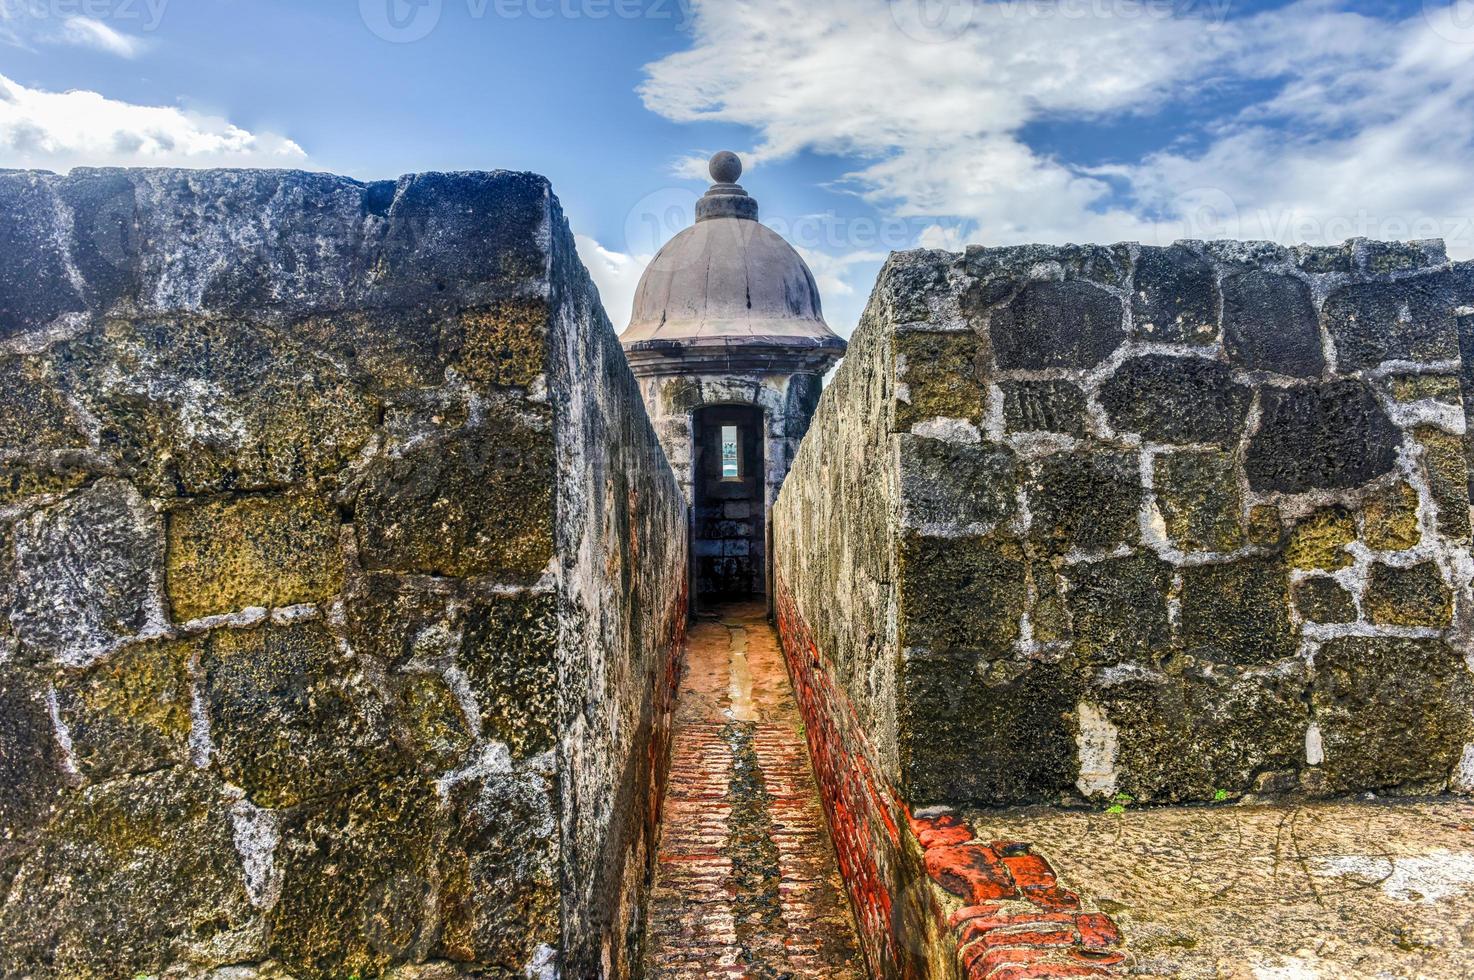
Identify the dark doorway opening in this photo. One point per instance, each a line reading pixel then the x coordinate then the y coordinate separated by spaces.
pixel 727 521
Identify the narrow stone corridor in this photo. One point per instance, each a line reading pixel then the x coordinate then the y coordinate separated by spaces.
pixel 746 884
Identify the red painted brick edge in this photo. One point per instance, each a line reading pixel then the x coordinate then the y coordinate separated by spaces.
pixel 1013 919
pixel 1018 921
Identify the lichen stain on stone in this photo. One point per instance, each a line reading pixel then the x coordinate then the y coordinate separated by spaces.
pixel 271 551
pixel 130 712
pixel 1413 596
pixel 940 374
pixel 505 344
pixel 138 869
pixel 1417 387
pixel 1448 478
pixel 1390 519
pixel 1320 540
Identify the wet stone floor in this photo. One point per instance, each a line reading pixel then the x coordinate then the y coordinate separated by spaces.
pixel 745 884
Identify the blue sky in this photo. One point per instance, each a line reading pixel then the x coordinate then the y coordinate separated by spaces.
pixel 868 125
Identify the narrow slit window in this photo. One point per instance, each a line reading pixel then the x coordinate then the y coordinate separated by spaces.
pixel 731 454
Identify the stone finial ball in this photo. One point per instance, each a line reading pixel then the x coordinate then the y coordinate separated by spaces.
pixel 725 167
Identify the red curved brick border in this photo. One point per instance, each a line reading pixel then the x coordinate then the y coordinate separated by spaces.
pixel 930 899
pixel 1017 920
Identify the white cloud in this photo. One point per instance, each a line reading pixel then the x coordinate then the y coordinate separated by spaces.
pixel 88 32
pixel 61 130
pixel 617 275
pixel 1367 127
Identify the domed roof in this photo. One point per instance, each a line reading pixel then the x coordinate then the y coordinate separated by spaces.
pixel 728 287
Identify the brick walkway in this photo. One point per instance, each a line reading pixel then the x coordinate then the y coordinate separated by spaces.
pixel 746 884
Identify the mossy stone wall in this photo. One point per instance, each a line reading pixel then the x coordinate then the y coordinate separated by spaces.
pixel 340 573
pixel 1181 523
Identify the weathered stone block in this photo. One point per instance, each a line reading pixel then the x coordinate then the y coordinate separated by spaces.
pixel 950 488
pixel 30 762
pixel 1372 322
pixel 937 376
pixel 1118 608
pixel 130 713
pixel 499 901
pixel 396 619
pixel 227 555
pixel 136 873
pixel 989 742
pixel 1321 599
pixel 511 661
pixel 34 415
pixel 960 592
pixel 1189 736
pixel 427 719
pixel 1270 324
pixel 1332 436
pixel 1392 713
pixel 1175 297
pixel 211 405
pixel 85 573
pixel 478 502
pixel 506 343
pixel 359 878
pixel 1198 495
pixel 34 259
pixel 291 718
pixel 1088 500
pixel 1320 539
pixel 393 350
pixel 1382 258
pixel 1238 612
pixel 1176 400
pixel 1448 478
pixel 1072 324
pixel 1389 519
pixel 1043 406
pixel 1412 596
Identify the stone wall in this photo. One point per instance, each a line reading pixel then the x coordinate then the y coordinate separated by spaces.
pixel 1084 524
pixel 343 579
